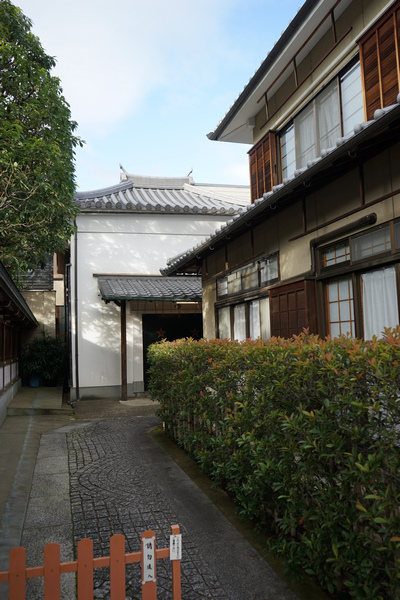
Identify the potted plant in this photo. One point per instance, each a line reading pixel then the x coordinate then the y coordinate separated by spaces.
pixel 42 360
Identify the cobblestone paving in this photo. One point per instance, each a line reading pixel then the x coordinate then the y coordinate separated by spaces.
pixel 112 492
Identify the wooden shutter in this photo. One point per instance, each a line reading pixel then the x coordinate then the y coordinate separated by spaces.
pixel 380 62
pixel 292 308
pixel 263 166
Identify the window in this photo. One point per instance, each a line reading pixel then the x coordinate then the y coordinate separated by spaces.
pixel 352 108
pixel 380 302
pixel 332 113
pixel 364 302
pixel 360 247
pixel 239 322
pixel 397 235
pixel 249 276
pixel 336 254
pixel 250 320
pixel 304 135
pixel 224 323
pixel 288 154
pixel 252 276
pixel 254 319
pixel 340 308
pixel 265 318
pixel 370 244
pixel 247 317
pixel 269 269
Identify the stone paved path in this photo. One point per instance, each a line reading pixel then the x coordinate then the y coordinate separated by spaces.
pixel 100 477
pixel 114 491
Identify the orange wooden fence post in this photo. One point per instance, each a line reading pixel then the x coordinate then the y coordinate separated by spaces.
pixel 17 581
pixel 176 564
pixel 86 563
pixel 149 581
pixel 117 567
pixel 85 569
pixel 51 572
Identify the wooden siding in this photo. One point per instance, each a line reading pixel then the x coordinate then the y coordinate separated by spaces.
pixel 293 307
pixel 263 166
pixel 380 62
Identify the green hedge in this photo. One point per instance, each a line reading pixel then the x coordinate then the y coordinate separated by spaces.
pixel 305 435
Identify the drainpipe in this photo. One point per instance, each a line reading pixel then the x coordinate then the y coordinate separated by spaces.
pixel 76 314
pixel 362 222
pixel 124 379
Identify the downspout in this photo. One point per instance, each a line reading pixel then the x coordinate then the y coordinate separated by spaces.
pixel 77 392
pixel 124 379
pixel 362 222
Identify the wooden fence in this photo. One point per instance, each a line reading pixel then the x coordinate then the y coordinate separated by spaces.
pixel 52 568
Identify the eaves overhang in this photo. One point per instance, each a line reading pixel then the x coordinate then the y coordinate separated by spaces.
pixel 344 152
pixel 221 132
pixel 115 288
pixel 13 307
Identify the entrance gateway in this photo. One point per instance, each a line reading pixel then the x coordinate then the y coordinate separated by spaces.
pixel 167 307
pixel 172 327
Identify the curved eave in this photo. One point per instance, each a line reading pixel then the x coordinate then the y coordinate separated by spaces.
pixel 261 73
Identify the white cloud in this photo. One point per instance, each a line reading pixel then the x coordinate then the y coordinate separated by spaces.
pixel 148 79
pixel 111 55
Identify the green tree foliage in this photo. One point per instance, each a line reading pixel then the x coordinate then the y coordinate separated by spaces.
pixel 37 148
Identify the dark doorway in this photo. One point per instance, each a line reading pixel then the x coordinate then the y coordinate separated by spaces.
pixel 169 327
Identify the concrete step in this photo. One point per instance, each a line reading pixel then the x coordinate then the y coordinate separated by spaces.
pixel 39 401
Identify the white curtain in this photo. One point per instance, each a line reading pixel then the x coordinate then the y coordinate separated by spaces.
pixel 224 323
pixel 328 116
pixel 239 324
pixel 254 316
pixel 380 304
pixel 352 102
pixel 304 133
pixel 265 319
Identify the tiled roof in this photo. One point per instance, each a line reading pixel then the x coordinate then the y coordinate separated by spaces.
pixel 383 117
pixel 39 279
pixel 149 287
pixel 155 195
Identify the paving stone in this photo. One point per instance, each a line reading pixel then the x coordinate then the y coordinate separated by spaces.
pixel 121 481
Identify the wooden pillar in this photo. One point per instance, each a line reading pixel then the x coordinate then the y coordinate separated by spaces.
pixel 124 386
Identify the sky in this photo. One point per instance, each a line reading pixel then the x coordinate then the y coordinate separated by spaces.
pixel 146 80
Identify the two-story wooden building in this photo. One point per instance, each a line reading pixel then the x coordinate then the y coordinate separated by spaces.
pixel 319 247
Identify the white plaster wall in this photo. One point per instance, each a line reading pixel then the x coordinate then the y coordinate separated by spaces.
pixel 121 244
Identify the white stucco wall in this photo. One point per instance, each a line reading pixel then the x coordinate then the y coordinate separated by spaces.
pixel 120 244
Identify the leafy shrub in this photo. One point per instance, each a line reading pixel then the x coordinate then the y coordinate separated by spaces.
pixel 44 356
pixel 305 435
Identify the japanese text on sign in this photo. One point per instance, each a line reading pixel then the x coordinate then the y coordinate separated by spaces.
pixel 148 560
pixel 175 547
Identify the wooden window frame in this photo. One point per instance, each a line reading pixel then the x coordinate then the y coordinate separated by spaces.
pixel 338 77
pixel 231 305
pixel 245 291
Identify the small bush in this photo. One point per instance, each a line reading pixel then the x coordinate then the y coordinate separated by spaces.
pixel 305 435
pixel 45 357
